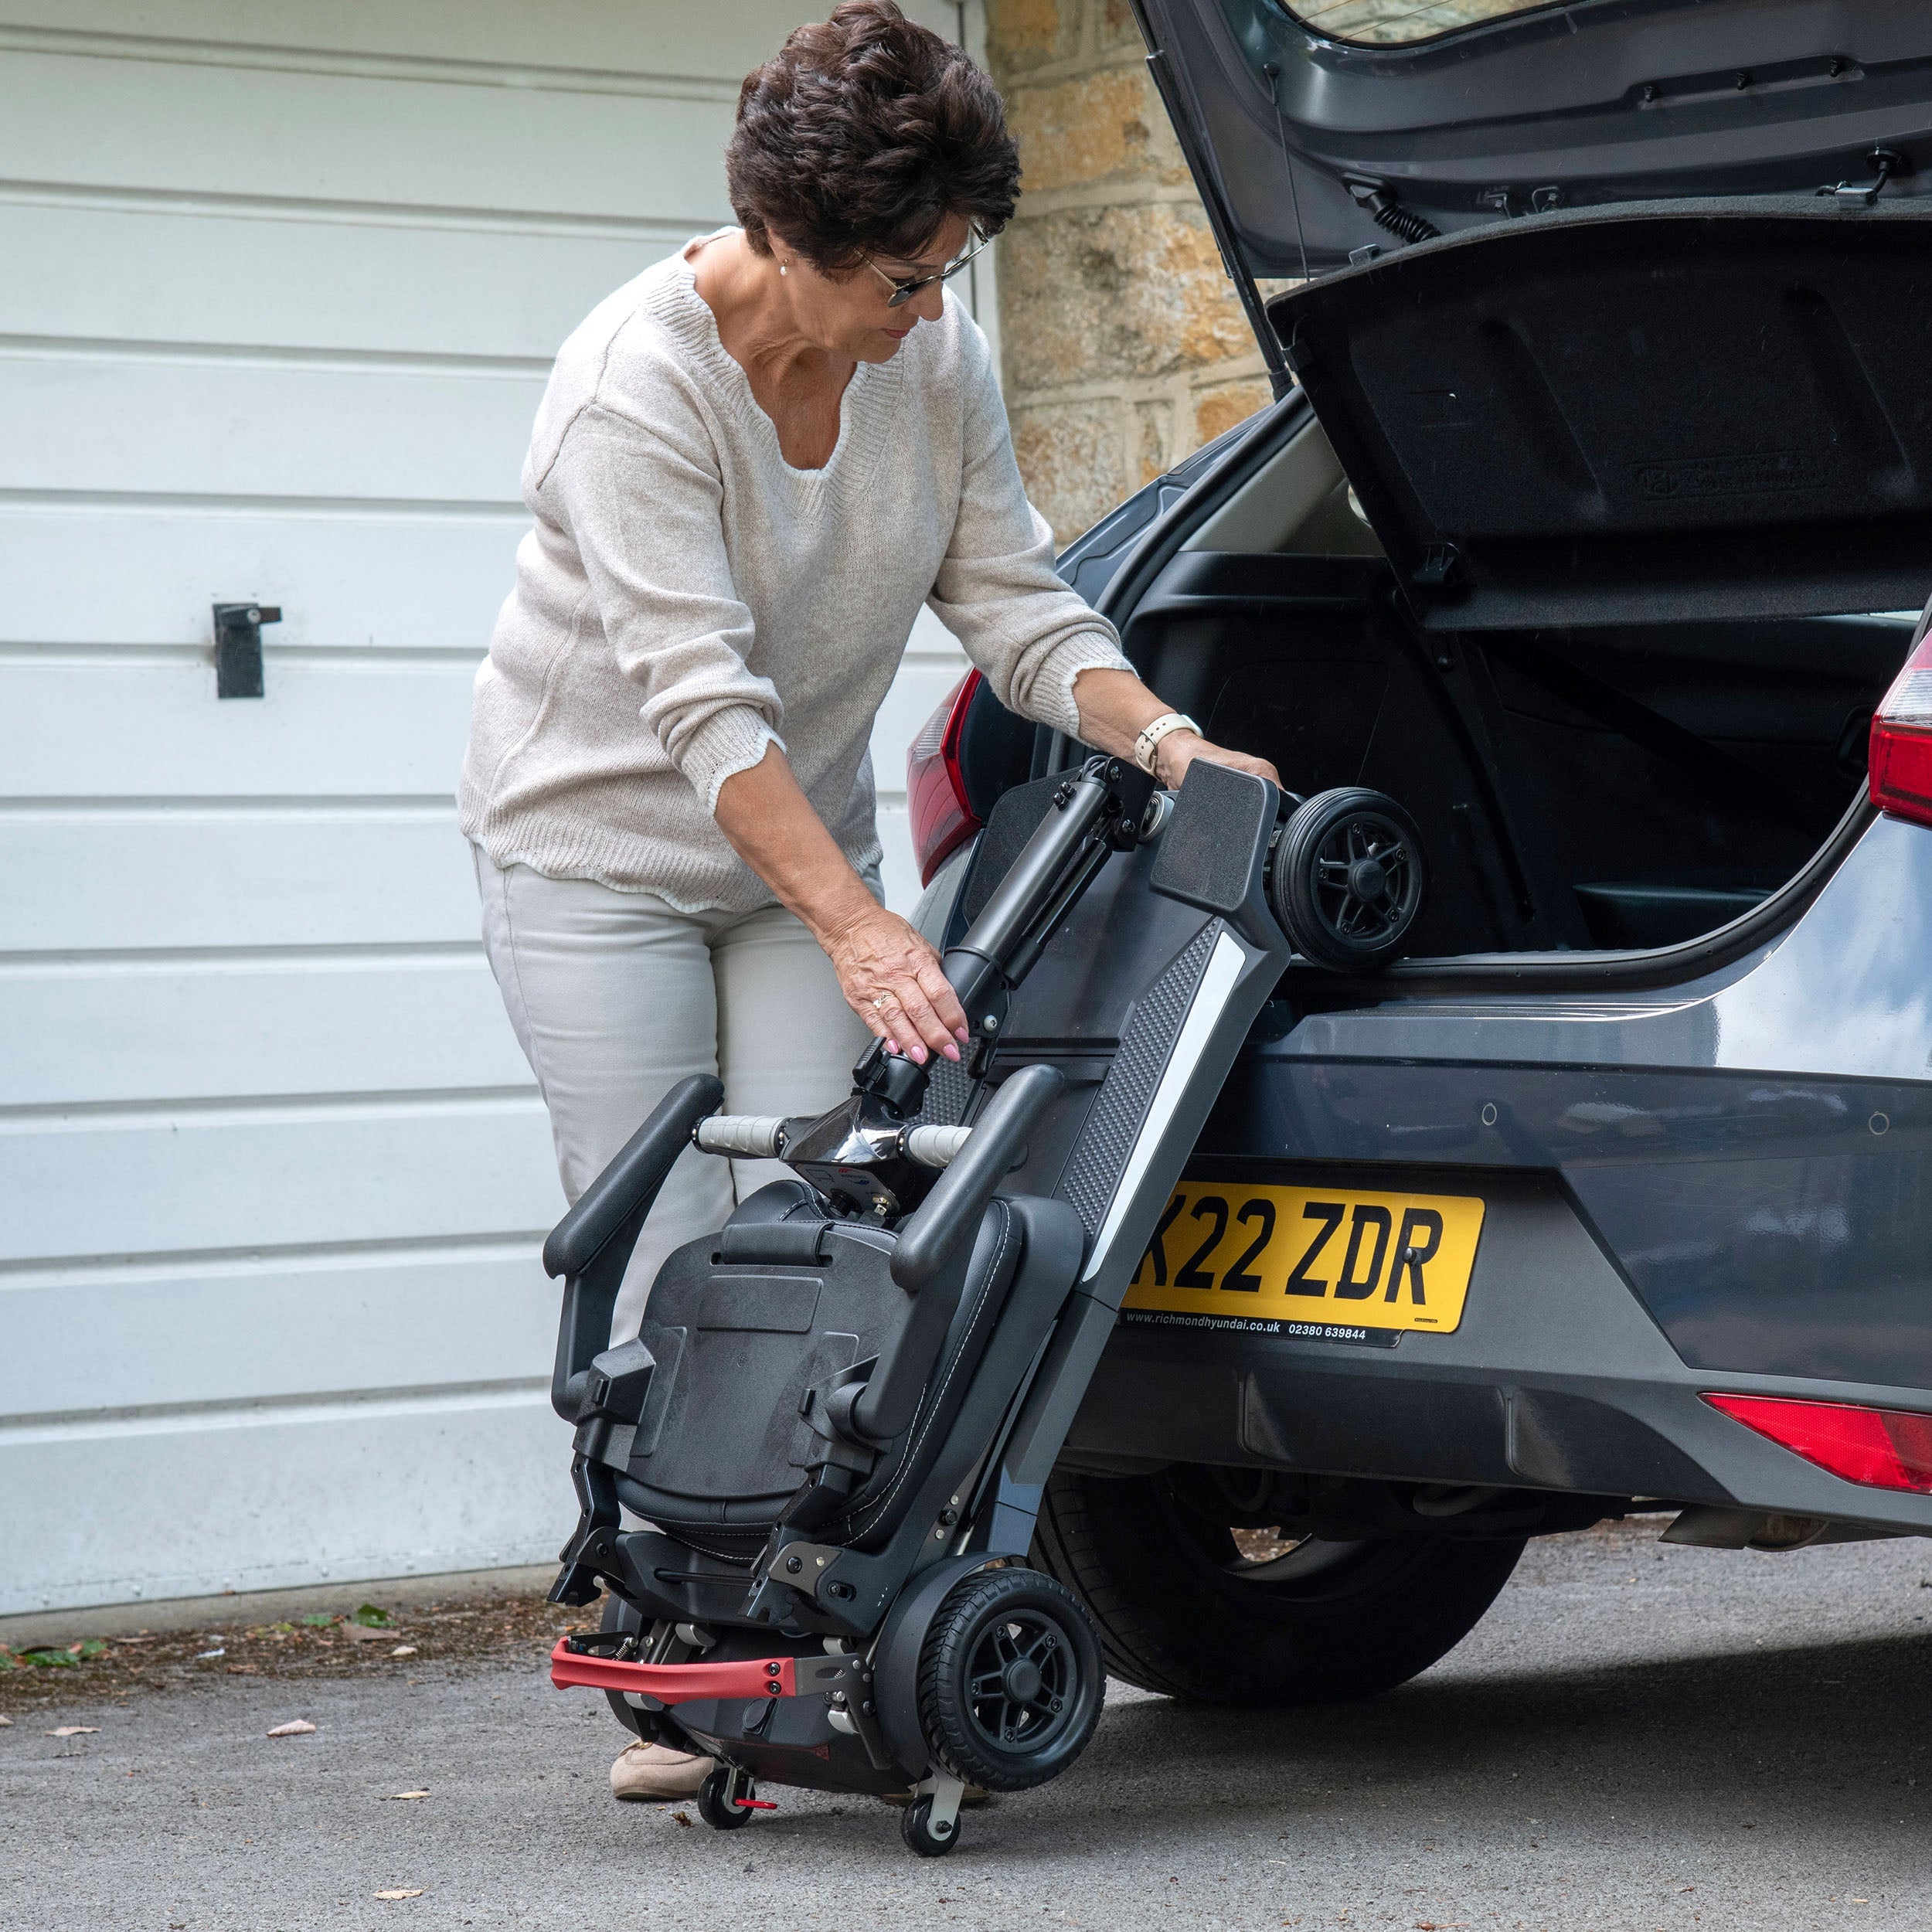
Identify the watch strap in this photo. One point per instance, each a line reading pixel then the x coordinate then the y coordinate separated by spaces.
pixel 1165 725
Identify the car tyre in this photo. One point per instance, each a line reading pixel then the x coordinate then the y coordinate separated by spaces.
pixel 1177 1616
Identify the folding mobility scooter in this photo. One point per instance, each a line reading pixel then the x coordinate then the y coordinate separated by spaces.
pixel 836 1423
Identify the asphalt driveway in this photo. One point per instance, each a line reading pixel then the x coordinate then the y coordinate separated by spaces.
pixel 1638 1736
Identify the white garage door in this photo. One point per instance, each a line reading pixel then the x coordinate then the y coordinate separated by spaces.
pixel 281 285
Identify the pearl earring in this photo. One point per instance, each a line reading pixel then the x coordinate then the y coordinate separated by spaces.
pixel 783 269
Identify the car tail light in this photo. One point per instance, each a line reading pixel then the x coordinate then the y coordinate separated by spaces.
pixel 943 817
pixel 1883 1448
pixel 1901 760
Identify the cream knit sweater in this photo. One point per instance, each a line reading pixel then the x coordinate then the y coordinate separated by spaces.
pixel 686 597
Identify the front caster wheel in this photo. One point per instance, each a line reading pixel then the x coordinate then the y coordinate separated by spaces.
pixel 921 1835
pixel 718 1800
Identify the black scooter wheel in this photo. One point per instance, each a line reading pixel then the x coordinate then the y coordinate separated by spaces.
pixel 714 1802
pixel 1010 1679
pixel 915 1828
pixel 1347 878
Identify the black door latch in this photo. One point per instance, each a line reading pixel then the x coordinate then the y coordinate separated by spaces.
pixel 238 647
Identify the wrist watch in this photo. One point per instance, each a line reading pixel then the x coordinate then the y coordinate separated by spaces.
pixel 1149 740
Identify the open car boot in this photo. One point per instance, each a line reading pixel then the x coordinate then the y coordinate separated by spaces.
pixel 840 1410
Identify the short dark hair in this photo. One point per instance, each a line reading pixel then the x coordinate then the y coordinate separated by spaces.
pixel 862 136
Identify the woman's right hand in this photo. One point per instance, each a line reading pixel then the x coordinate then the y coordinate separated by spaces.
pixel 888 974
pixel 890 977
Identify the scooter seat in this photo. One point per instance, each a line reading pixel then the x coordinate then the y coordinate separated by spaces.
pixel 752 1331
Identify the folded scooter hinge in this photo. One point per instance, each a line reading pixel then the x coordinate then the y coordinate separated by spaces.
pixel 590 1557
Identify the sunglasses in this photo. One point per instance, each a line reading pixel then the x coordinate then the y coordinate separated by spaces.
pixel 903 291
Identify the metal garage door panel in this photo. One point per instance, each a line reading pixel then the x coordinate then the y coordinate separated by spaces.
pixel 623 45
pixel 428 286
pixel 260 1175
pixel 193 423
pixel 486 149
pixel 354 576
pixel 309 1328
pixel 262 1498
pixel 329 728
pixel 209 1028
pixel 197 876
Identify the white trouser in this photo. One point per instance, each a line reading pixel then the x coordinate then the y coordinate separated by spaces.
pixel 617 996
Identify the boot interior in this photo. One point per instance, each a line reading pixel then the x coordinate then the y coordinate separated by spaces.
pixel 1615 787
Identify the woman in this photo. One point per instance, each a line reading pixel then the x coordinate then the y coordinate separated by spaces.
pixel 751 466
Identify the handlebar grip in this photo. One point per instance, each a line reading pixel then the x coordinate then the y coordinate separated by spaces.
pixel 936 1146
pixel 749 1137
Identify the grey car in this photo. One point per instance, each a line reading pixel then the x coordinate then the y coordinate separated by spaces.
pixel 1579 1162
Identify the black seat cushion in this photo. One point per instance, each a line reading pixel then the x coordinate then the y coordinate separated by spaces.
pixel 724 1444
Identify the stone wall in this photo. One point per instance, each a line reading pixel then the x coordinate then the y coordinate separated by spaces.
pixel 1125 346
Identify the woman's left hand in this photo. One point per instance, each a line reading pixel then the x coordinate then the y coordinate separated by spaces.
pixel 1179 749
pixel 1115 706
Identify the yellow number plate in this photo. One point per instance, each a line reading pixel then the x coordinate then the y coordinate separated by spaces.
pixel 1320 1255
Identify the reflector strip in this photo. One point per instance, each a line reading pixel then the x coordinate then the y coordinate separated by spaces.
pixel 1878 1448
pixel 1210 1001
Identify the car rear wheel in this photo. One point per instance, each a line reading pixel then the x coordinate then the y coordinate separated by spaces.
pixel 1185 1609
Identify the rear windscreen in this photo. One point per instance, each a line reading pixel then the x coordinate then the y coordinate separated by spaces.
pixel 1387 22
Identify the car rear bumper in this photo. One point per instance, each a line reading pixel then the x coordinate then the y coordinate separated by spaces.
pixel 1556 1378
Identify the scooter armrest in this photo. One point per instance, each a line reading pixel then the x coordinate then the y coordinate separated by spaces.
pixel 632 1180
pixel 591 1245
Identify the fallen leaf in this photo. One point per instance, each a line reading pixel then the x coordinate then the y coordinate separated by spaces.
pixel 6 1722
pixel 244 1670
pixel 681 1818
pixel 416 1894
pixel 404 1650
pixel 295 1727
pixel 399 1795
pixel 374 1617
pixel 75 1730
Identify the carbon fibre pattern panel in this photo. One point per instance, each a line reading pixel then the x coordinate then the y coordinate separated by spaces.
pixel 947 1092
pixel 1121 1104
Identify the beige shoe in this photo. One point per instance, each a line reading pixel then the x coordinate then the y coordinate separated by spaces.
pixel 649 1773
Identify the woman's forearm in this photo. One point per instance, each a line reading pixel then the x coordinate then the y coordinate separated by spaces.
pixel 766 816
pixel 1115 708
pixel 889 974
